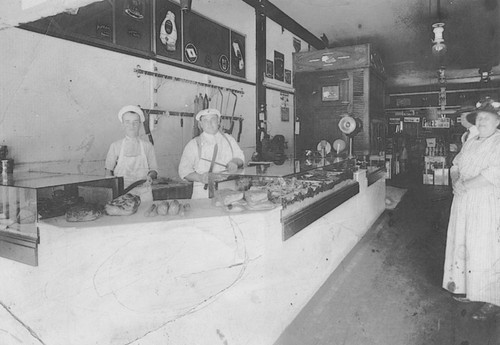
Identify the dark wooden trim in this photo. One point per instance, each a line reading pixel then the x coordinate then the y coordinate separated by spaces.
pixel 281 18
pixel 298 221
pixel 375 176
pixel 260 90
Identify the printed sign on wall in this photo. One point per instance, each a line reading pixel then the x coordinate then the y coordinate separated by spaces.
pixel 131 25
pixel 167 30
pixel 133 20
pixel 285 106
pixel 206 43
pixel 238 60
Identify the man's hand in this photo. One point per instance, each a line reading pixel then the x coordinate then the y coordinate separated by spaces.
pixel 231 166
pixel 234 164
pixel 152 174
pixel 204 178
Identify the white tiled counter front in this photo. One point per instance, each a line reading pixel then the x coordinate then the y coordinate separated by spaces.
pixel 210 278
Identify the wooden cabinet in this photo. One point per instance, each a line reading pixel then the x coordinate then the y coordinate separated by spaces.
pixel 336 82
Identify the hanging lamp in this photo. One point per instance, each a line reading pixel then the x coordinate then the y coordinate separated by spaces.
pixel 439 48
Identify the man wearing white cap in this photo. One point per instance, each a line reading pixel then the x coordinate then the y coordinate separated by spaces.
pixel 210 145
pixel 132 158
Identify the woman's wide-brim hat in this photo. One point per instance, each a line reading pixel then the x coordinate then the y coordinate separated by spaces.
pixel 467 116
pixel 487 105
pixel 131 109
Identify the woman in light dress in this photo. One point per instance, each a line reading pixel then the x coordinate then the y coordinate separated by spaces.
pixel 472 263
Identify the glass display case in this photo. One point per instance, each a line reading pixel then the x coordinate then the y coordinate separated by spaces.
pixel 27 197
pixel 305 189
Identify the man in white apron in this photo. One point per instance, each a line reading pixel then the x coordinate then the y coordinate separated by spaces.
pixel 133 158
pixel 210 145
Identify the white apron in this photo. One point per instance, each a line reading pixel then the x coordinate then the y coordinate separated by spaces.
pixel 198 191
pixel 133 168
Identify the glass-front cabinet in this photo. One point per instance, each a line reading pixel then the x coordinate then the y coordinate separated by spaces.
pixel 28 197
pixel 305 189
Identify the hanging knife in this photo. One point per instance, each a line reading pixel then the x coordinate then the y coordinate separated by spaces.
pixel 240 129
pixel 212 164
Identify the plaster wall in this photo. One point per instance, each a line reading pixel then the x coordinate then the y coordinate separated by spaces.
pixel 281 40
pixel 59 99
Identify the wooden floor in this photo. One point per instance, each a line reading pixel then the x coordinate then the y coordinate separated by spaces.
pixel 388 290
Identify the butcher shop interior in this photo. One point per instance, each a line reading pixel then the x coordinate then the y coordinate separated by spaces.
pixel 268 172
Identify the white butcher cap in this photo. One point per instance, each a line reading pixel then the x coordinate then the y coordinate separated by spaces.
pixel 131 109
pixel 209 111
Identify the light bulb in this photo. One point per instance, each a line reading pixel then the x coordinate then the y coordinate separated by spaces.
pixel 439 49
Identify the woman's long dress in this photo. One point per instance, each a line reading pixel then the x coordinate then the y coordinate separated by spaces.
pixel 472 263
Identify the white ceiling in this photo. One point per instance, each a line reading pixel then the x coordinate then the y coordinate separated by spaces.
pixel 401 30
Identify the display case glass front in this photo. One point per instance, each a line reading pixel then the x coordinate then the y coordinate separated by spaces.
pixel 305 189
pixel 28 197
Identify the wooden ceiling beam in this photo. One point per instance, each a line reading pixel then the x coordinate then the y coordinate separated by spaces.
pixel 269 10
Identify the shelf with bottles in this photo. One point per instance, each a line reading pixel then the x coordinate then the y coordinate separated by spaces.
pixel 436 147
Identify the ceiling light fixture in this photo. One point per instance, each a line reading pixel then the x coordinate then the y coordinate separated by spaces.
pixel 439 48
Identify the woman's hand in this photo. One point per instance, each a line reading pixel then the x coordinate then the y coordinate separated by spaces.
pixel 459 187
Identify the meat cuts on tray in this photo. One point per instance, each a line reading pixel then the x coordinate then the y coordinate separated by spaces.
pixel 227 197
pixel 83 212
pixel 256 196
pixel 124 205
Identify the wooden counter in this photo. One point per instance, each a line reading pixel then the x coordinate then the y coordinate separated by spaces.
pixel 213 277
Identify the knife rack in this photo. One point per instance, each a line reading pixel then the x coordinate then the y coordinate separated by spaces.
pixel 185 114
pixel 140 71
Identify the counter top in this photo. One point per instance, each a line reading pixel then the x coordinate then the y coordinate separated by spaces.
pixel 39 179
pixel 200 208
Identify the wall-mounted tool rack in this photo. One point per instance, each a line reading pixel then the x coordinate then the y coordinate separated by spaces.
pixel 140 71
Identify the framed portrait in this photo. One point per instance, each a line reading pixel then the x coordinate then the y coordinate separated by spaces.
pixel 288 76
pixel 330 93
pixel 279 66
pixel 269 69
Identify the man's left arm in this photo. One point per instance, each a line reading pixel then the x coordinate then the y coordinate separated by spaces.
pixel 152 163
pixel 238 159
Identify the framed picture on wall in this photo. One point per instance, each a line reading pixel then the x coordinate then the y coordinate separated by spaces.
pixel 279 66
pixel 330 93
pixel 168 29
pixel 288 76
pixel 238 62
pixel 269 69
pixel 132 24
